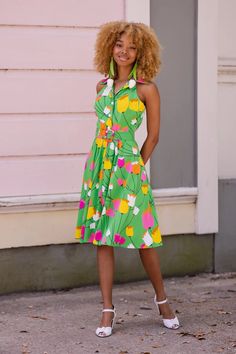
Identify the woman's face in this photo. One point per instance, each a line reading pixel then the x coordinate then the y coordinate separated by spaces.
pixel 124 51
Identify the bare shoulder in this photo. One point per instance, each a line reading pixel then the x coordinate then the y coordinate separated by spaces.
pixel 99 85
pixel 148 90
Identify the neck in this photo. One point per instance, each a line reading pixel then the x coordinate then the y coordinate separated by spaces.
pixel 123 73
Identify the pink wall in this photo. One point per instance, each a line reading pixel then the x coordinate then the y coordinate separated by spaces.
pixel 47 89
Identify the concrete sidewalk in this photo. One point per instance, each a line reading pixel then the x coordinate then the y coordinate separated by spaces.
pixel 64 322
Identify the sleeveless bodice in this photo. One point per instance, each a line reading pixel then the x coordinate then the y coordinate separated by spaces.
pixel 119 114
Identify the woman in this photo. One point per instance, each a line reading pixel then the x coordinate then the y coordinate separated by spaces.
pixel 117 208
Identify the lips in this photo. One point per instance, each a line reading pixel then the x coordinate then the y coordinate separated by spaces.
pixel 123 59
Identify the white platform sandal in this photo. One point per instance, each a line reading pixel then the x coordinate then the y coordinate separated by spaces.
pixel 171 323
pixel 106 331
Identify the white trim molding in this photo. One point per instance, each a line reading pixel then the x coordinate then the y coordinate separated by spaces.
pixel 226 74
pixel 52 218
pixel 207 169
pixel 51 202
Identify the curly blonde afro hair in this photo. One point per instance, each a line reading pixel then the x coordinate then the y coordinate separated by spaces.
pixel 144 38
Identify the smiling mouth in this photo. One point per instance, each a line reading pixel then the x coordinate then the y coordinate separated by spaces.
pixel 123 59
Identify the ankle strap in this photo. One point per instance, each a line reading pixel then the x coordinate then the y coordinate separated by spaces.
pixel 161 302
pixel 108 310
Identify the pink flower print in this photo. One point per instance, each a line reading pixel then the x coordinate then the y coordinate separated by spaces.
pixel 128 166
pixel 120 181
pixel 121 161
pixel 110 212
pixel 147 218
pixel 100 193
pixel 98 235
pixel 116 203
pixel 116 127
pixel 122 240
pixel 82 231
pixel 92 165
pixel 143 176
pixel 81 204
pixel 143 245
pixel 92 237
pixel 119 239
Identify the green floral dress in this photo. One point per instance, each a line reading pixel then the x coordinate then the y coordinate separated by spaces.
pixel 116 207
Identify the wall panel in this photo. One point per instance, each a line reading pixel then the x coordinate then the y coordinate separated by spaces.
pixel 79 13
pixel 41 175
pixel 47 48
pixel 46 134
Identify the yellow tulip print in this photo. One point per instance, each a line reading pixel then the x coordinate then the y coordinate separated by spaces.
pixel 123 103
pixel 91 212
pixel 134 104
pixel 141 161
pixel 78 232
pixel 124 207
pixel 104 144
pixel 144 188
pixel 141 106
pixel 90 183
pixel 99 142
pixel 156 234
pixel 109 122
pixel 107 164
pixel 129 231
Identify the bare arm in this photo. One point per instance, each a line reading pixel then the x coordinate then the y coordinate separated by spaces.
pixel 149 93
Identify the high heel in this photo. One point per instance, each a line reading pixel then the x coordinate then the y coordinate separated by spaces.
pixel 106 331
pixel 171 323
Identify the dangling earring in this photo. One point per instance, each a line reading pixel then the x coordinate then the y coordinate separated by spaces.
pixel 133 72
pixel 112 68
pixel 133 75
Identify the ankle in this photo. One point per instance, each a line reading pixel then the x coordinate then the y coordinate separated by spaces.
pixel 108 305
pixel 160 296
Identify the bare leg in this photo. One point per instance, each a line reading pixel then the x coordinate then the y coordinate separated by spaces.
pixel 151 263
pixel 105 262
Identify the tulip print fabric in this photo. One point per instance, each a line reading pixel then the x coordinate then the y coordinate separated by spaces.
pixel 116 207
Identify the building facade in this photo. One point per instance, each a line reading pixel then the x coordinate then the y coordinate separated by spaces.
pixel 47 124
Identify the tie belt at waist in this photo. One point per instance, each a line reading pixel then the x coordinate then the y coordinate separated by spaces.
pixel 114 138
